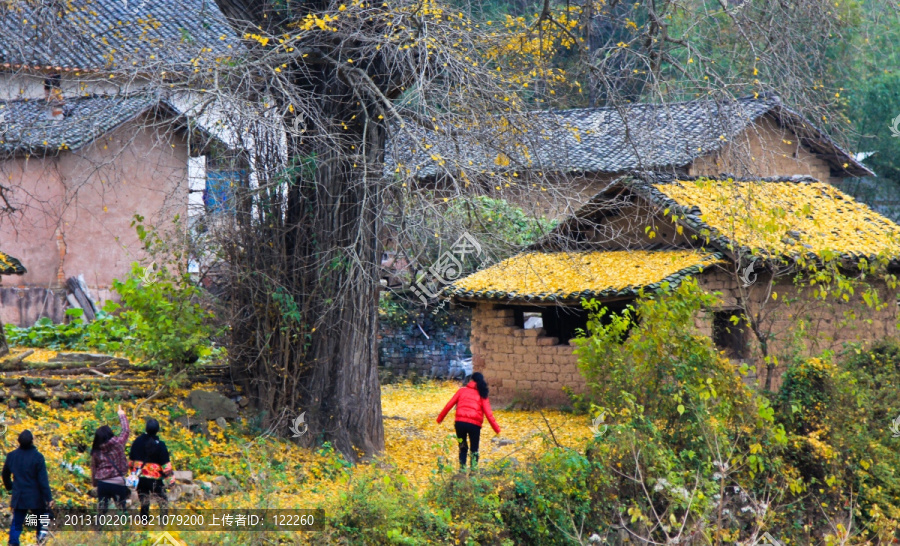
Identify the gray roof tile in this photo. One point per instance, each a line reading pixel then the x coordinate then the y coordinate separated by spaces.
pixel 607 140
pixel 28 126
pixel 107 34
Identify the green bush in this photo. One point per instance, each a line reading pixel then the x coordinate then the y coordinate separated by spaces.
pixel 549 502
pixel 106 333
pixel 474 502
pixel 168 327
pixel 683 437
pixel 381 508
pixel 840 419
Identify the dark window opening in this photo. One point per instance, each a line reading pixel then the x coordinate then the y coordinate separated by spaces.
pixel 562 322
pixel 52 84
pixel 730 333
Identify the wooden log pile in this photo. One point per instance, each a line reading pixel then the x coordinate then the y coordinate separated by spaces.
pixel 76 377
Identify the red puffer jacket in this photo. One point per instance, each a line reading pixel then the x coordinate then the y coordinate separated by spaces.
pixel 470 407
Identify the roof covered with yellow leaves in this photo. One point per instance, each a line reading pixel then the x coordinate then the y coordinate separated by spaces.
pixel 562 276
pixel 10 265
pixel 778 217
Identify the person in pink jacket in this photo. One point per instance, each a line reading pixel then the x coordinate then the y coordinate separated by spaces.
pixel 472 406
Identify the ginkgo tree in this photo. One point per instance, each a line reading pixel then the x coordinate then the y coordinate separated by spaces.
pixel 320 92
pixel 349 77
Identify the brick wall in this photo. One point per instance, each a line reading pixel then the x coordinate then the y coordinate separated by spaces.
pixel 518 364
pixel 830 323
pixel 525 365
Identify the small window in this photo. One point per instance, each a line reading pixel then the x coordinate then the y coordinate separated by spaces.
pixel 531 320
pixel 220 189
pixel 564 322
pixel 558 322
pixel 730 333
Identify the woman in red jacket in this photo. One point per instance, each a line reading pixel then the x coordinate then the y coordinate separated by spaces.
pixel 472 406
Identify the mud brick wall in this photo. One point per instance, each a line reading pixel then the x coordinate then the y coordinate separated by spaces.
pixel 518 364
pixel 404 349
pixel 830 324
pixel 528 366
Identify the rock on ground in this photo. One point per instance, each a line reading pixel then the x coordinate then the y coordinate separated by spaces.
pixel 211 405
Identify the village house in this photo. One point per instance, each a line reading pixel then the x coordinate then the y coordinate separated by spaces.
pixel 582 150
pixel 743 238
pixel 87 141
pixel 577 153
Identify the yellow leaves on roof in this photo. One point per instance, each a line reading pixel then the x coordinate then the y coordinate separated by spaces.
pixel 564 273
pixel 788 218
pixel 5 262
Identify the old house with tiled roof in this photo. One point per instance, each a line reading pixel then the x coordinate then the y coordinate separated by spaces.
pixel 748 137
pixel 745 239
pixel 86 140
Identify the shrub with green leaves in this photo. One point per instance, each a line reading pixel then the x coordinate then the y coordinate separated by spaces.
pixel 382 508
pixel 106 333
pixel 840 414
pixel 168 327
pixel 685 441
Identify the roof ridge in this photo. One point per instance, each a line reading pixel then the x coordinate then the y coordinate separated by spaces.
pixel 91 96
pixel 661 177
pixel 762 97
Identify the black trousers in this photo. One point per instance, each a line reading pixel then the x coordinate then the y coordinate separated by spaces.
pixel 106 491
pixel 150 489
pixel 473 434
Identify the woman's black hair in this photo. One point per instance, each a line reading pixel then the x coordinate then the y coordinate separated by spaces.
pixel 480 384
pixel 102 436
pixel 26 439
pixel 152 427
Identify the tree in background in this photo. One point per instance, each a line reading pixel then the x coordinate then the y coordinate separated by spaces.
pixel 876 106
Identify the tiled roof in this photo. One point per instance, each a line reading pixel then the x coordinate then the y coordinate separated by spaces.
pixel 604 140
pixel 28 126
pixel 570 276
pixel 105 34
pixel 787 217
pixel 10 265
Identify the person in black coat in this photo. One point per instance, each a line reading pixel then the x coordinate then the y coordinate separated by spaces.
pixel 150 457
pixel 30 486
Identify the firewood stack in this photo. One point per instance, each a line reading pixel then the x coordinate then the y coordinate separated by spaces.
pixel 76 377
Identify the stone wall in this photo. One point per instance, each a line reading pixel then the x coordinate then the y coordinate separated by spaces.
pixel 24 306
pixel 528 366
pixel 404 348
pixel 518 364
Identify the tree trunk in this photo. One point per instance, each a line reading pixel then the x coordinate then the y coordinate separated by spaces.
pixel 305 294
pixel 342 388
